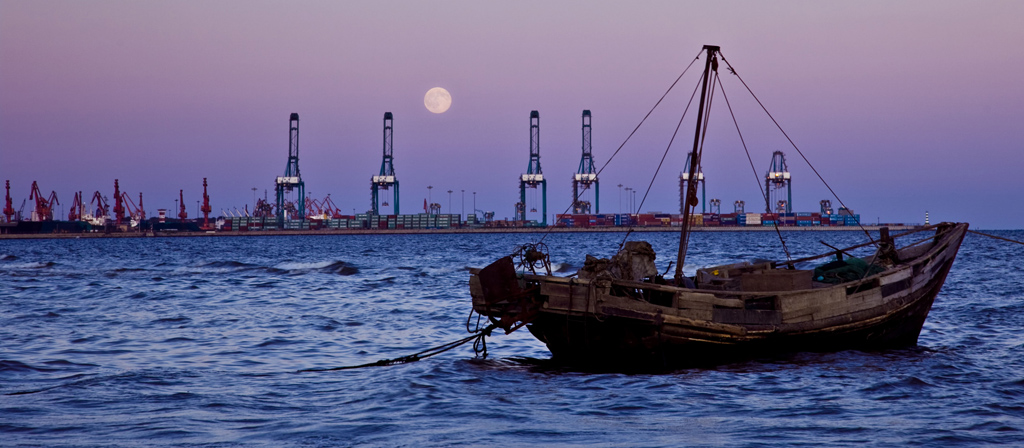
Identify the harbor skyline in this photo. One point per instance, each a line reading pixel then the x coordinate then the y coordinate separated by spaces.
pixel 904 108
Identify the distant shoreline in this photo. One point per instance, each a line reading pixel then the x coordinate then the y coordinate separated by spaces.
pixel 278 232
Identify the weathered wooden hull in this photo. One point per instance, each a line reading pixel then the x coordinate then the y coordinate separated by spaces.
pixel 594 322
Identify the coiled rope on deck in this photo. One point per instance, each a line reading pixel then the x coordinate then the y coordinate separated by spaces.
pixel 479 345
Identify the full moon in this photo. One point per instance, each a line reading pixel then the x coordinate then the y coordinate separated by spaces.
pixel 437 100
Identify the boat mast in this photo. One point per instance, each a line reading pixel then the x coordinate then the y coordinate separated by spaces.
pixel 710 65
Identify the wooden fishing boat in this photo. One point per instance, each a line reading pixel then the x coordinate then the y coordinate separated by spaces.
pixel 621 312
pixel 731 311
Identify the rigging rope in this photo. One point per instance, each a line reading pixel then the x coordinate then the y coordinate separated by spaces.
pixel 639 207
pixel 996 237
pixel 656 104
pixel 480 346
pixel 764 194
pixel 777 125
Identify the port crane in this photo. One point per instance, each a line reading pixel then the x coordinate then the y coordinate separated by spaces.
pixel 331 208
pixel 826 207
pixel 8 208
pixel 586 175
pixel 44 206
pixel 386 179
pixel 291 180
pixel 101 209
pixel 776 179
pixel 136 214
pixel 684 179
pixel 76 208
pixel 263 209
pixel 314 209
pixel 206 208
pixel 182 214
pixel 118 205
pixel 534 176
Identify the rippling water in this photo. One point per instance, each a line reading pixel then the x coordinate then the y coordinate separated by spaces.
pixel 196 342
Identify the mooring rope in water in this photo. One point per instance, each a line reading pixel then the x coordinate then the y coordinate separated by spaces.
pixel 995 237
pixel 480 346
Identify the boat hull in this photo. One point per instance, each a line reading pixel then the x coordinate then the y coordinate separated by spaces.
pixel 590 340
pixel 594 322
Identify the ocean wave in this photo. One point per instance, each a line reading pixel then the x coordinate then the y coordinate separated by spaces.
pixel 562 267
pixel 228 264
pixel 31 265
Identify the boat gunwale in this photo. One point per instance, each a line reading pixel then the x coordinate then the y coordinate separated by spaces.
pixel 923 258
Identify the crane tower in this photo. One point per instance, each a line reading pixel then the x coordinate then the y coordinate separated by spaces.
pixel 9 208
pixel 386 178
pixel 533 176
pixel 776 179
pixel 684 179
pixel 586 175
pixel 206 209
pixel 291 179
pixel 826 207
pixel 739 207
pixel 118 205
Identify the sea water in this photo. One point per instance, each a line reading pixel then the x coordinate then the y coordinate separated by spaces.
pixel 197 342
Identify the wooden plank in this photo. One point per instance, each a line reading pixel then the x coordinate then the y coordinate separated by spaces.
pixel 750 317
pixel 691 299
pixel 474 287
pixel 897 276
pixel 795 318
pixel 795 304
pixel 559 289
pixel 629 308
pixel 683 302
pixel 776 280
pixel 696 314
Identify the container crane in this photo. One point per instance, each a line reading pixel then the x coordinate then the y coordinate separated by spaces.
pixel 118 205
pixel 313 209
pixel 738 207
pixel 206 208
pixel 44 206
pixel 586 175
pixel 263 209
pixel 826 207
pixel 716 206
pixel 778 178
pixel 684 178
pixel 142 209
pixel 136 214
pixel 100 210
pixel 331 208
pixel 386 178
pixel 291 180
pixel 75 213
pixel 781 206
pixel 534 176
pixel 182 214
pixel 9 208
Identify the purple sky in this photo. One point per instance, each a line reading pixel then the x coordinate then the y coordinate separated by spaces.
pixel 904 107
